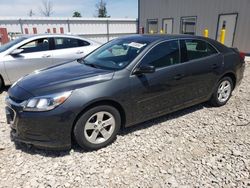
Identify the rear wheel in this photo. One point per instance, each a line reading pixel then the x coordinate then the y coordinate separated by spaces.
pixel 222 93
pixel 97 127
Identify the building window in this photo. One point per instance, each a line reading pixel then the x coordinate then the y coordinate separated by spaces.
pixel 153 26
pixel 188 25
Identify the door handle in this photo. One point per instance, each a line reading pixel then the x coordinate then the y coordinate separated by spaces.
pixel 179 76
pixel 79 52
pixel 46 56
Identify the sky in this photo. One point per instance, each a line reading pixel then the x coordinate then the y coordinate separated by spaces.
pixel 65 8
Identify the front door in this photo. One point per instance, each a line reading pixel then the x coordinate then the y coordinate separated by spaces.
pixel 153 94
pixel 36 55
pixel 168 25
pixel 227 22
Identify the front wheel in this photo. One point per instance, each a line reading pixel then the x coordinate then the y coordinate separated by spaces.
pixel 222 93
pixel 97 127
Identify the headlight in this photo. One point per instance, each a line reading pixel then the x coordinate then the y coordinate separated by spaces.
pixel 46 103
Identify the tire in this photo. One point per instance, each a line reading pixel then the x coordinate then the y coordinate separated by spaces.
pixel 97 127
pixel 1 84
pixel 222 92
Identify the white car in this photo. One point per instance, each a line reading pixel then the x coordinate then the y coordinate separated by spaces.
pixel 29 53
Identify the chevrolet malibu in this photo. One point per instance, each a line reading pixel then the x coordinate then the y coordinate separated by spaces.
pixel 33 52
pixel 126 81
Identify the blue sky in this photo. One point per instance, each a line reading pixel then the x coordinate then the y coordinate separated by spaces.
pixel 65 8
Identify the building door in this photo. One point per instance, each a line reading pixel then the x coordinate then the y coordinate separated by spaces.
pixel 227 22
pixel 167 25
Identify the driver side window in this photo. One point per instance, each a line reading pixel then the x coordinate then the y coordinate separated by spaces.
pixel 37 45
pixel 163 55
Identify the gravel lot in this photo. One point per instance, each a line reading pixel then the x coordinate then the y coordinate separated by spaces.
pixel 197 147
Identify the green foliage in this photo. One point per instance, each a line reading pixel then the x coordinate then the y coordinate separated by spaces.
pixel 77 14
pixel 102 9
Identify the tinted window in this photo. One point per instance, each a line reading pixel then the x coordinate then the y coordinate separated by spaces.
pixel 62 43
pixel 83 43
pixel 195 49
pixel 163 55
pixel 188 25
pixel 152 26
pixel 37 45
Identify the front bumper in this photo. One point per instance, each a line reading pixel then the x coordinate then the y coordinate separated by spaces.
pixel 47 130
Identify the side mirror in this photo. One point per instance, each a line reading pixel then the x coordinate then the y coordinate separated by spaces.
pixel 16 52
pixel 144 70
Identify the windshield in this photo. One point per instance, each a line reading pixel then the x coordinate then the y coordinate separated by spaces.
pixel 116 54
pixel 10 44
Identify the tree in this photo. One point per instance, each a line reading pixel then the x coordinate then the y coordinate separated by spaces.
pixel 31 13
pixel 101 9
pixel 47 8
pixel 77 14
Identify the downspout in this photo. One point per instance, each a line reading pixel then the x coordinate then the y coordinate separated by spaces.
pixel 21 25
pixel 139 12
pixel 68 23
pixel 108 30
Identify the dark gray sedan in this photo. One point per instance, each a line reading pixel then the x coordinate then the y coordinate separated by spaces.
pixel 126 81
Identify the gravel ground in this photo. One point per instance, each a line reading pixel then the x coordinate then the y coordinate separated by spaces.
pixel 197 147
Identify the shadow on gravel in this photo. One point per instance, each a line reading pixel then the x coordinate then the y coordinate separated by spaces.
pixel 162 119
pixel 42 152
pixel 54 154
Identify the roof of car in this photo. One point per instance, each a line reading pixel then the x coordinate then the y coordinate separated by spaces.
pixel 157 37
pixel 49 35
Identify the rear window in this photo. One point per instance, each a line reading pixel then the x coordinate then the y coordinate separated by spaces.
pixel 196 49
pixel 63 43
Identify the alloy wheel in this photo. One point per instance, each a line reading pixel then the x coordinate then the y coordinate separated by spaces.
pixel 224 91
pixel 99 127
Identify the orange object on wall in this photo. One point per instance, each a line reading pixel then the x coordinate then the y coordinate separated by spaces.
pixel 61 30
pixel 34 30
pixel 3 36
pixel 26 31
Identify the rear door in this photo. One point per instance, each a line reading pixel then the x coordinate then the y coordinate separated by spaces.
pixel 36 55
pixel 201 65
pixel 68 49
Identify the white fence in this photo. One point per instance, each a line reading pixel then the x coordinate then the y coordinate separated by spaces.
pixel 99 29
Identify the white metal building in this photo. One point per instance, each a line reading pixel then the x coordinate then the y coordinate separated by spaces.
pixel 99 29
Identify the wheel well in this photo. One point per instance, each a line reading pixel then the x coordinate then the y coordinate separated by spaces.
pixel 105 102
pixel 232 76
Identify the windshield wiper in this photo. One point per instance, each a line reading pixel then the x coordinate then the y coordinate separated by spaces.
pixel 83 61
pixel 91 65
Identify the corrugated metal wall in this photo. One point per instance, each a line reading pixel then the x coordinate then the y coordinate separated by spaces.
pixel 98 29
pixel 207 12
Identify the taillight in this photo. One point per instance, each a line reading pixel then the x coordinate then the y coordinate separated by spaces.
pixel 242 55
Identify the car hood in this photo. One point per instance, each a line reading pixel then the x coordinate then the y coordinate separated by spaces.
pixel 65 77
